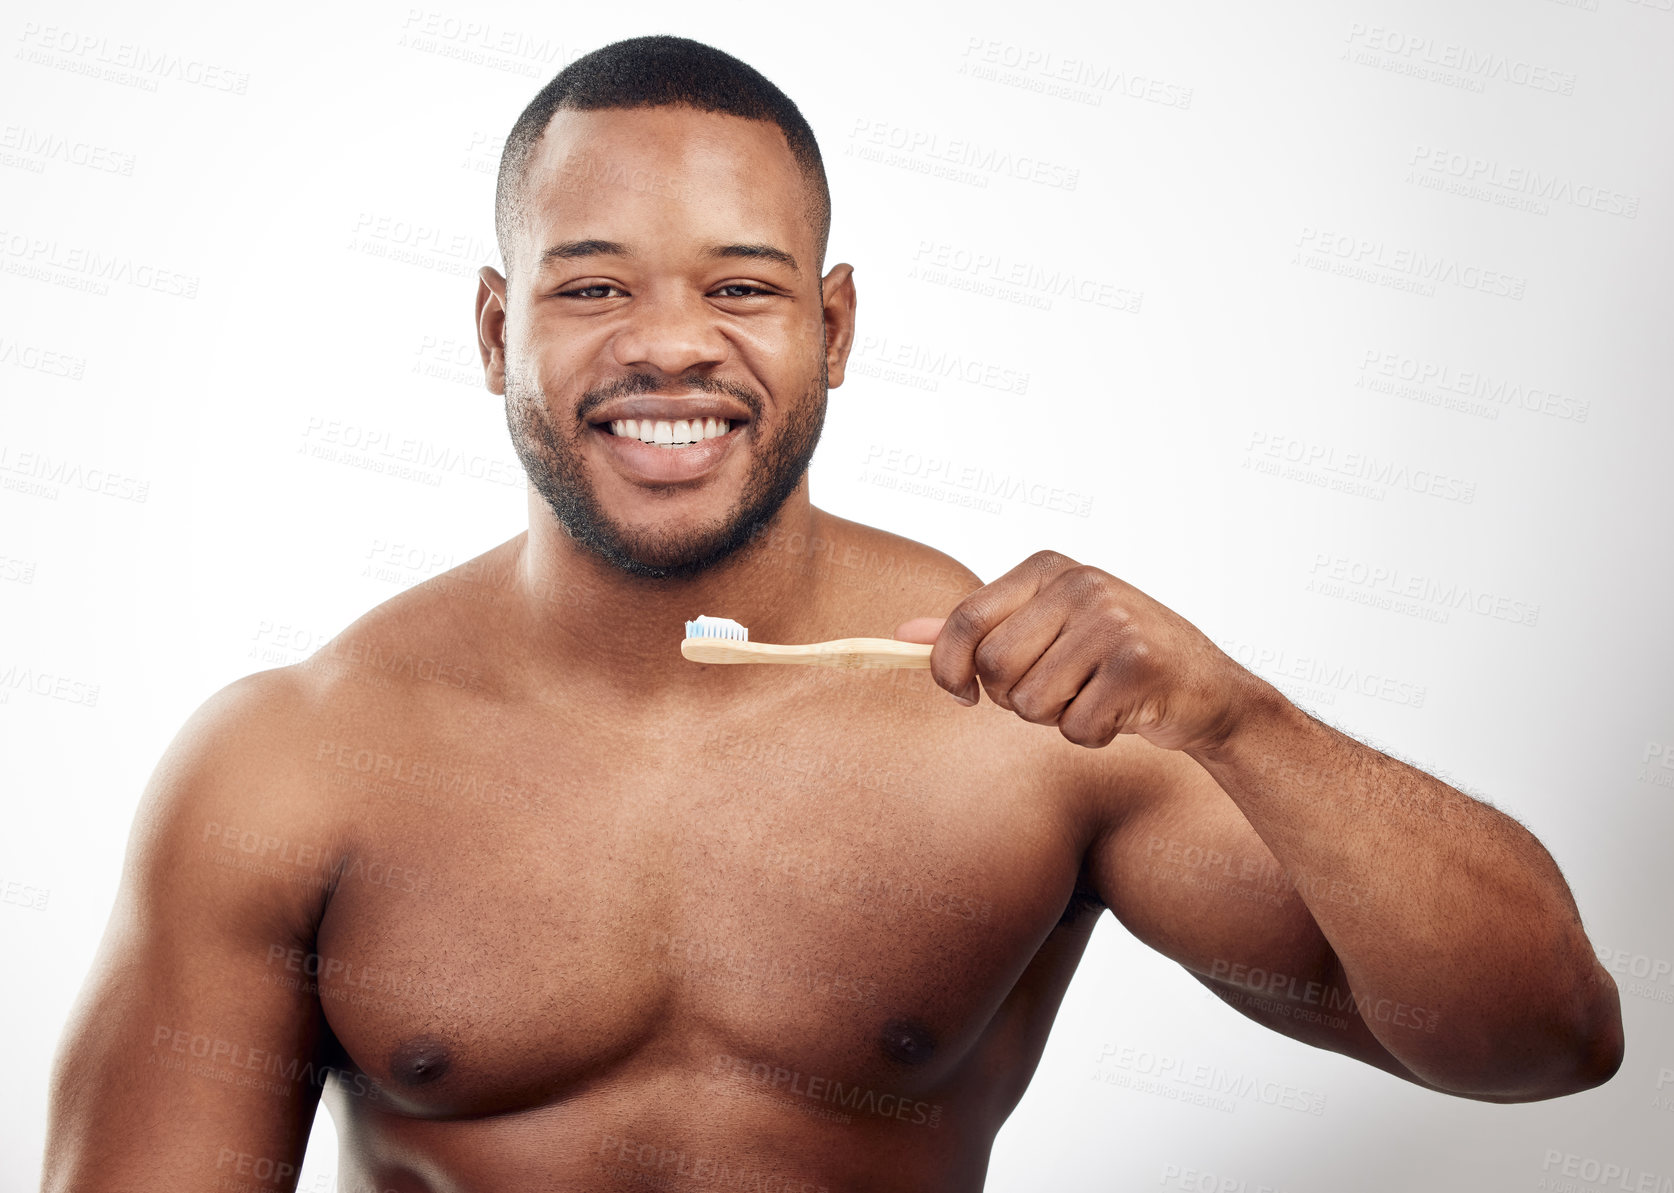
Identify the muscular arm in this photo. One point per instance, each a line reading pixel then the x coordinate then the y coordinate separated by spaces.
pixel 1358 904
pixel 189 1062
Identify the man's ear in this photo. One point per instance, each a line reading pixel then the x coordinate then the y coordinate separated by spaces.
pixel 837 295
pixel 491 327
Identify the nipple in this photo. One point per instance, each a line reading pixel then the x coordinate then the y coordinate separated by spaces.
pixel 907 1042
pixel 419 1061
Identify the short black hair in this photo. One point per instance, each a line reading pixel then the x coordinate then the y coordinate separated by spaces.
pixel 654 72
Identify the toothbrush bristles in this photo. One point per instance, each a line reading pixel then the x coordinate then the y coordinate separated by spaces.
pixel 716 627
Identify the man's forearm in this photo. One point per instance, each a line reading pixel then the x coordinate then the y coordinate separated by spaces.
pixel 1428 898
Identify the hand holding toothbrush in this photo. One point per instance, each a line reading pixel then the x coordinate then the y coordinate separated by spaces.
pixel 1054 641
pixel 1060 643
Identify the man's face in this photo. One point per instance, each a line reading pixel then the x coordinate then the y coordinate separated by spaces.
pixel 665 338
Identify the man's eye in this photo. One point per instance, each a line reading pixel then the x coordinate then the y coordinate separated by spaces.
pixel 599 291
pixel 738 290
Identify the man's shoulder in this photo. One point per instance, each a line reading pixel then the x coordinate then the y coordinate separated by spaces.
pixel 420 646
pixel 878 566
pixel 428 640
pixel 238 770
pixel 249 757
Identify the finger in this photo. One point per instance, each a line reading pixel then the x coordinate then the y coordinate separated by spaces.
pixel 1014 646
pixel 953 661
pixel 1099 710
pixel 1058 676
pixel 919 629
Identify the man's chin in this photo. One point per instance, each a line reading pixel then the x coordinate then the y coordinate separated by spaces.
pixel 662 554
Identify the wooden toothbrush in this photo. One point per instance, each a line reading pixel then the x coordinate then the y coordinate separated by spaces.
pixel 723 640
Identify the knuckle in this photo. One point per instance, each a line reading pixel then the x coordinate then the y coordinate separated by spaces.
pixel 958 624
pixel 1050 561
pixel 1115 606
pixel 965 622
pixel 1080 735
pixel 1080 726
pixel 990 658
pixel 946 674
pixel 1028 706
pixel 1085 578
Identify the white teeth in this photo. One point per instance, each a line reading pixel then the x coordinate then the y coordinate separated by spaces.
pixel 667 433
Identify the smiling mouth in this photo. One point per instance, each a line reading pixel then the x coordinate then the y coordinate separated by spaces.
pixel 670 433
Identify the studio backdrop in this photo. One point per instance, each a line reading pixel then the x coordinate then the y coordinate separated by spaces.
pixel 1342 330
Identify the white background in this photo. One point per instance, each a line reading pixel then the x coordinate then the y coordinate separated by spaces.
pixel 1261 187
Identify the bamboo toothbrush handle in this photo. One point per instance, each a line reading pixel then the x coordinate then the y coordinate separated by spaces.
pixel 869 653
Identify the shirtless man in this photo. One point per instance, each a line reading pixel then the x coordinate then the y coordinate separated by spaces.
pixel 542 905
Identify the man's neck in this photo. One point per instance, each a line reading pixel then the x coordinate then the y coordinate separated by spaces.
pixel 586 617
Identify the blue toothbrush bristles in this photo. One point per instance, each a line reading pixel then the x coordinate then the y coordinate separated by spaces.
pixel 716 627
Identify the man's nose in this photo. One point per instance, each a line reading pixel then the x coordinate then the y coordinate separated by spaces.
pixel 670 333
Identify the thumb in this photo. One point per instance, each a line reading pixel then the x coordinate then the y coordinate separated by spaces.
pixel 920 629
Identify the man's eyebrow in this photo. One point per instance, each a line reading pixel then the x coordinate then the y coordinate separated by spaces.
pixel 760 252
pixel 569 250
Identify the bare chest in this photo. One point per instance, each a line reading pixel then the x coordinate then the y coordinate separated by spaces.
pixel 527 913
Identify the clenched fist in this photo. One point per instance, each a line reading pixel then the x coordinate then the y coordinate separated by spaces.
pixel 1060 643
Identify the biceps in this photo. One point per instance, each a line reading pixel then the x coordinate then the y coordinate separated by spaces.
pixel 192 1053
pixel 183 1065
pixel 1186 873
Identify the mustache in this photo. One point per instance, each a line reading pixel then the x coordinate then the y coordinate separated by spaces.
pixel 632 384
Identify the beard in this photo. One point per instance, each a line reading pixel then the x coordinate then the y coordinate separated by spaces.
pixel 556 467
